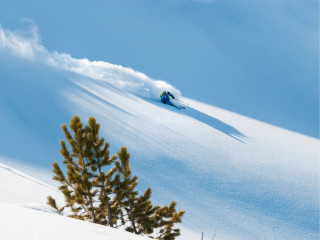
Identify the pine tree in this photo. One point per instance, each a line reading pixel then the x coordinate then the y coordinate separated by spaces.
pixel 143 216
pixel 125 188
pixel 99 159
pixel 78 188
pixel 165 218
pixel 79 173
pixel 107 197
pixel 144 212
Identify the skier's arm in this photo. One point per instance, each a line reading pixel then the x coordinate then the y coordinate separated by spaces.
pixel 171 95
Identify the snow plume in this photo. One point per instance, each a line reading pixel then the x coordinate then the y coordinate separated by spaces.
pixel 28 45
pixel 25 45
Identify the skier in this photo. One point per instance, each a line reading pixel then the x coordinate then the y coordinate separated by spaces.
pixel 166 99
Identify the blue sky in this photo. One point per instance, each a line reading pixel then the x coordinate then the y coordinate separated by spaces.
pixel 259 59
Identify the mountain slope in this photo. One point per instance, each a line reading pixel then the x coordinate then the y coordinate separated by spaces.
pixel 25 215
pixel 235 176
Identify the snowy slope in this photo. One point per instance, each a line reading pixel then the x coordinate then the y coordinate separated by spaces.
pixel 238 177
pixel 34 224
pixel 25 215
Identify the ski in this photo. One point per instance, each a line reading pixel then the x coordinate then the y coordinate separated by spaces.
pixel 179 107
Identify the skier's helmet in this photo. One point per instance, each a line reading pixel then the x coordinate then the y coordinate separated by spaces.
pixel 168 93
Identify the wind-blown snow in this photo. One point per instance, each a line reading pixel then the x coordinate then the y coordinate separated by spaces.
pixel 236 176
pixel 28 45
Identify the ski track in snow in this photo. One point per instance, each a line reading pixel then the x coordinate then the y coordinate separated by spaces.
pixel 238 177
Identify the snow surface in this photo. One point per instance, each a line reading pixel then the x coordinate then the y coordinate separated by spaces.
pixel 235 176
pixel 25 215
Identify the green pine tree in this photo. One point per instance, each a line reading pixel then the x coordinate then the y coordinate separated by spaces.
pixel 77 186
pixel 125 187
pixel 95 190
pixel 144 218
pixel 165 218
pixel 99 159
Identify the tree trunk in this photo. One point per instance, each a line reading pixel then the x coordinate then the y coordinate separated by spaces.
pixel 131 214
pixel 92 208
pixel 109 215
pixel 104 194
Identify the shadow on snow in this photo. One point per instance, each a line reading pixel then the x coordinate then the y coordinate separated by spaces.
pixel 206 119
pixel 215 123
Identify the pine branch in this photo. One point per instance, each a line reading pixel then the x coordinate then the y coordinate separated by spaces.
pixel 52 202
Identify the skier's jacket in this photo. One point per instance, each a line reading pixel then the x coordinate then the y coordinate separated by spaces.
pixel 165 98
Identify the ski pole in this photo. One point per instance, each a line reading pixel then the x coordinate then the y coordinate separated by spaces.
pixel 182 102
